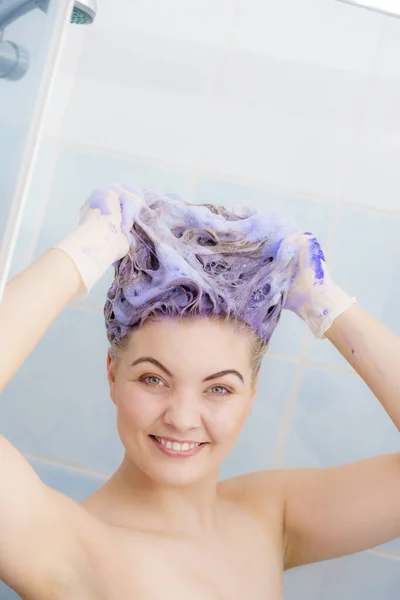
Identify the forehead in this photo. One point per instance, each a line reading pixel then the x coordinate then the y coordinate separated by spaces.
pixel 207 343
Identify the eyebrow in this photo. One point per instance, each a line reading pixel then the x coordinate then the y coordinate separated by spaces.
pixel 155 362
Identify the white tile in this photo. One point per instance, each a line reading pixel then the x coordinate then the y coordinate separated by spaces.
pixel 134 121
pixel 387 63
pixel 143 95
pixel 322 32
pixel 284 124
pixel 375 176
pixel 205 20
pixel 64 79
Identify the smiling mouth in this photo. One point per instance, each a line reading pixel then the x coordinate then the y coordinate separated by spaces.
pixel 177 446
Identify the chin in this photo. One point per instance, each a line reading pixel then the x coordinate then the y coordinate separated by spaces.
pixel 175 472
pixel 179 474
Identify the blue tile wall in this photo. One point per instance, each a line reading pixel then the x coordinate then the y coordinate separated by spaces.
pixel 57 405
pixel 364 576
pixel 256 445
pixel 72 482
pixel 336 419
pixel 365 262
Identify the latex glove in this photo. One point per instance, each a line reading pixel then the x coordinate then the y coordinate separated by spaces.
pixel 313 295
pixel 103 235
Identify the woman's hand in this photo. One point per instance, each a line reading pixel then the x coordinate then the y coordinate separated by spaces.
pixel 103 235
pixel 313 295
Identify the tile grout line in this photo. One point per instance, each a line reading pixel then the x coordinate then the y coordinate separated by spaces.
pixel 226 178
pixel 210 104
pixel 68 465
pixel 384 554
pixel 361 114
pixel 287 419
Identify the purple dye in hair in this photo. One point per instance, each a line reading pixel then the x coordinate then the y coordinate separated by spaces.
pixel 204 260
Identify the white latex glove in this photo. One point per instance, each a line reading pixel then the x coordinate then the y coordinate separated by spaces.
pixel 103 234
pixel 313 295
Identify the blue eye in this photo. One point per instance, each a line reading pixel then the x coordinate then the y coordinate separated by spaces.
pixel 220 390
pixel 152 380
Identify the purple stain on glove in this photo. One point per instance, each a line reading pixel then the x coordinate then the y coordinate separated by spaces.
pixel 203 260
pixel 98 199
pixel 89 252
pixel 316 258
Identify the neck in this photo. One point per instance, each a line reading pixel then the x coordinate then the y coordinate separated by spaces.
pixel 138 501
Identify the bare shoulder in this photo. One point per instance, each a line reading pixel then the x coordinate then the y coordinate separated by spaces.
pixel 260 492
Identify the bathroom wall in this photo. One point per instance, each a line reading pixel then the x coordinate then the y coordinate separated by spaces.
pixel 289 106
pixel 38 39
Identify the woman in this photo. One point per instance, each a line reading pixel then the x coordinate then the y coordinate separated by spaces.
pixel 197 294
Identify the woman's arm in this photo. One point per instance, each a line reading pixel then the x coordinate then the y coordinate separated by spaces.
pixel 30 304
pixel 374 352
pixel 340 510
pixel 34 299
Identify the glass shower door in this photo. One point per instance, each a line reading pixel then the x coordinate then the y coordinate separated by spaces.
pixel 31 34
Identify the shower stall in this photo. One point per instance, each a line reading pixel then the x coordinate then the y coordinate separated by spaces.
pixel 289 106
pixel 31 39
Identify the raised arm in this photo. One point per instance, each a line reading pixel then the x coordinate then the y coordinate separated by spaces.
pixel 31 302
pixel 34 299
pixel 374 352
pixel 341 510
pixel 42 533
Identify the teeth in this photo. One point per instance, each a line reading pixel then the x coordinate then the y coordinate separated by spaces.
pixel 176 445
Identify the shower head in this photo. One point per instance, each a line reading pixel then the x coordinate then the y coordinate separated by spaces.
pixel 83 13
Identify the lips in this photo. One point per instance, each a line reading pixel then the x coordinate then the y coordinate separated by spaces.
pixel 179 449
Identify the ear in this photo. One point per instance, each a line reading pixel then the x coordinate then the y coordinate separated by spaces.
pixel 111 374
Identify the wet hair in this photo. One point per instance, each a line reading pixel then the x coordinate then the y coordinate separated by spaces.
pixel 192 260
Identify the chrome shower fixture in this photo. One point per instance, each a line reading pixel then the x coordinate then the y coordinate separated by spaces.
pixel 83 13
pixel 14 58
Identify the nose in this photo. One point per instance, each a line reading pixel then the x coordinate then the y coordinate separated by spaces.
pixel 183 411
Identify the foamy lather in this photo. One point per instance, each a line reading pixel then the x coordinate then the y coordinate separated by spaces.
pixel 188 259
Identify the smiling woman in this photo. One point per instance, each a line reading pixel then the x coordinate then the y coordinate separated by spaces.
pixel 179 396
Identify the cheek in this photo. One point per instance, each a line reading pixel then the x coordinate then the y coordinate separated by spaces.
pixel 136 408
pixel 227 419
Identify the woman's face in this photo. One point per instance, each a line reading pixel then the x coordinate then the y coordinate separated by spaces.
pixel 180 383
